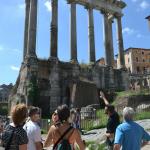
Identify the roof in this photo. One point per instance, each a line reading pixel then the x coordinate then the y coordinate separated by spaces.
pixel 133 48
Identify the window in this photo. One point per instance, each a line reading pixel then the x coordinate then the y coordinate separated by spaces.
pixel 144 70
pixel 143 60
pixel 143 53
pixel 138 69
pixel 137 59
pixel 129 70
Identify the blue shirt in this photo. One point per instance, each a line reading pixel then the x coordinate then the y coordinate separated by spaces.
pixel 130 136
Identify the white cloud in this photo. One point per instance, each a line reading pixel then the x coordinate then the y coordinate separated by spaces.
pixel 14 68
pixel 1 48
pixel 10 50
pixel 128 30
pixel 21 6
pixel 144 5
pixel 17 51
pixel 48 5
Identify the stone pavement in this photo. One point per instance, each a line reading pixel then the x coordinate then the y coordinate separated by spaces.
pixel 147 147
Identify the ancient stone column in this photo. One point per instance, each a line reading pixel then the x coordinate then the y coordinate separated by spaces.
pixel 120 43
pixel 54 28
pixel 31 49
pixel 111 42
pixel 91 36
pixel 27 3
pixel 106 39
pixel 73 32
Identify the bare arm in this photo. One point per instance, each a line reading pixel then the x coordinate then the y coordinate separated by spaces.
pixel 117 147
pixel 23 147
pixel 110 135
pixel 145 143
pixel 104 98
pixel 38 146
pixel 79 140
pixel 48 140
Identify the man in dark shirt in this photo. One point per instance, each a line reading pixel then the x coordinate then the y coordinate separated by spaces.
pixel 112 123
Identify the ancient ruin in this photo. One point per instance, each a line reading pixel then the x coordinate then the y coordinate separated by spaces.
pixel 49 83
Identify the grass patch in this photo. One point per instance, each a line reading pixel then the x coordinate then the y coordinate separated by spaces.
pixel 142 115
pixel 96 123
pixel 132 93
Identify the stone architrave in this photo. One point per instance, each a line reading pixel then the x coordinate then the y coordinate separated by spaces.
pixel 120 42
pixel 112 7
pixel 31 50
pixel 91 35
pixel 54 28
pixel 27 3
pixel 73 32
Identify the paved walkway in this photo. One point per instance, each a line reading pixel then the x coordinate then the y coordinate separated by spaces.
pixel 147 147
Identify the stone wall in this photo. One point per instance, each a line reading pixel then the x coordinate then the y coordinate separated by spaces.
pixel 137 102
pixel 55 81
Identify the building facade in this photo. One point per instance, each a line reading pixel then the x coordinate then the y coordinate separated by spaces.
pixel 4 92
pixel 137 60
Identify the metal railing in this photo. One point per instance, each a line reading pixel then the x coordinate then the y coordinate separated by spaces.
pixel 98 118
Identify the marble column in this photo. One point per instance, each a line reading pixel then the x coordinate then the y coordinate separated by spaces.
pixel 27 3
pixel 111 42
pixel 31 49
pixel 73 32
pixel 120 42
pixel 54 28
pixel 106 39
pixel 91 35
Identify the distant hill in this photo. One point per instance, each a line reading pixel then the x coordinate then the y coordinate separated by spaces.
pixel 5 91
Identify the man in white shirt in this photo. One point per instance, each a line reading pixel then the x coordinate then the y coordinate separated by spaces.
pixel 33 130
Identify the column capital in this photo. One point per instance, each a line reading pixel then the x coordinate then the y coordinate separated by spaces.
pixel 27 1
pixel 104 12
pixel 117 15
pixel 71 2
pixel 88 7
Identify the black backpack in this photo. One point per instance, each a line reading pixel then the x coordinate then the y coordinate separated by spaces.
pixel 7 136
pixel 64 144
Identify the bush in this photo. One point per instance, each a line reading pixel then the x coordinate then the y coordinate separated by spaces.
pixel 94 146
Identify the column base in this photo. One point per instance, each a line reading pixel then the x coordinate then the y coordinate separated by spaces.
pixel 73 61
pixel 52 58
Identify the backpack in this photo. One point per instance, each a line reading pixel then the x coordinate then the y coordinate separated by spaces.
pixel 64 144
pixel 7 136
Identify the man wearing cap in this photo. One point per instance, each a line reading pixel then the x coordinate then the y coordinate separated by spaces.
pixel 33 130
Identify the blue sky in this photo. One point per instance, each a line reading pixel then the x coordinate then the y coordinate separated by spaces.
pixel 135 32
